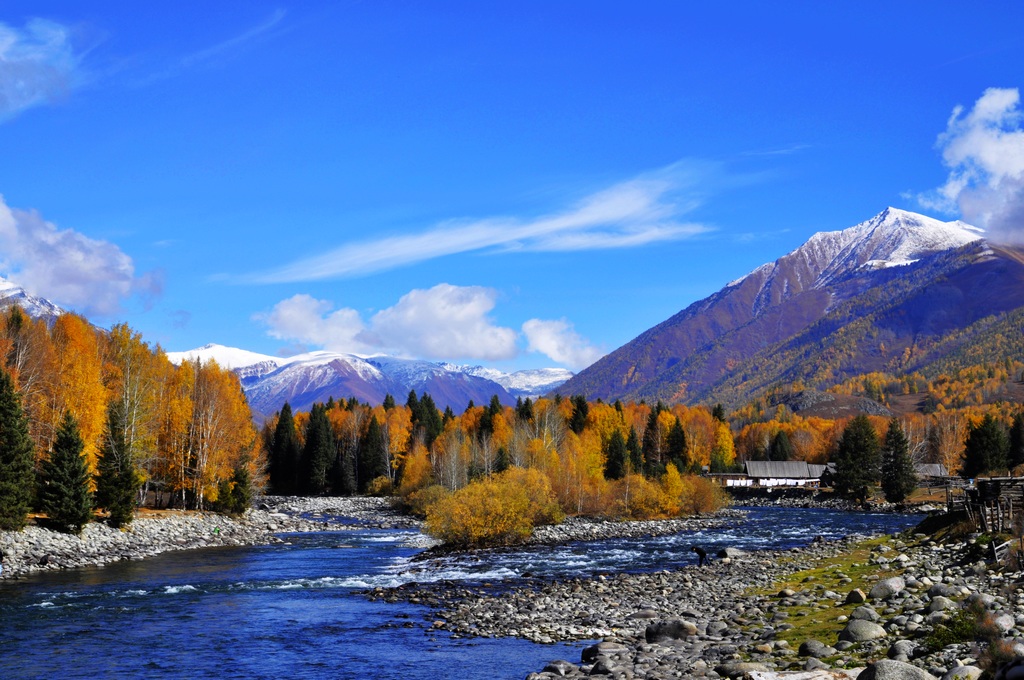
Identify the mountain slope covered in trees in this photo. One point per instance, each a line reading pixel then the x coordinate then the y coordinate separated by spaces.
pixel 900 293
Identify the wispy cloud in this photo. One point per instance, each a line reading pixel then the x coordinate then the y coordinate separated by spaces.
pixel 780 151
pixel 221 50
pixel 444 322
pixel 641 211
pixel 235 43
pixel 68 267
pixel 984 151
pixel 38 65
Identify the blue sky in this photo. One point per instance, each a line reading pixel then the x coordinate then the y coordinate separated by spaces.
pixel 518 184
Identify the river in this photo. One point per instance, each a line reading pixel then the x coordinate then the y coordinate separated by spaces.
pixel 294 610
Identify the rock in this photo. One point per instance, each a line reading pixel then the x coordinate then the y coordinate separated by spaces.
pixel 1003 622
pixel 856 596
pixel 643 614
pixel 963 673
pixel 786 592
pixel 814 664
pixel 591 653
pixel 816 649
pixel 675 629
pixel 602 667
pixel 731 552
pixel 886 589
pixel 561 668
pixel 737 669
pixel 902 650
pixel 887 669
pixel 865 613
pixel 858 630
pixel 940 603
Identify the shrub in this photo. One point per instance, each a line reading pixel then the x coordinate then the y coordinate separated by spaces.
pixel 379 486
pixel 500 510
pixel 701 495
pixel 636 497
pixel 418 502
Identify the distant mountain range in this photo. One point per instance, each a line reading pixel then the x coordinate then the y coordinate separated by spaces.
pixel 314 377
pixel 899 293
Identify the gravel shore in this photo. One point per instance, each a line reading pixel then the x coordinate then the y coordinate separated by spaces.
pixel 38 549
pixel 711 622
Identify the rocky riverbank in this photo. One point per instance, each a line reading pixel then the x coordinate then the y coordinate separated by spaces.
pixel 38 549
pixel 841 605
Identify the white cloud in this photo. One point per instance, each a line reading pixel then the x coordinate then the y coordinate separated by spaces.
pixel 68 267
pixel 443 322
pixel 634 213
pixel 984 151
pixel 560 341
pixel 37 65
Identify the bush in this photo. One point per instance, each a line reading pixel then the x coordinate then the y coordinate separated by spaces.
pixel 418 502
pixel 701 495
pixel 636 497
pixel 379 486
pixel 499 510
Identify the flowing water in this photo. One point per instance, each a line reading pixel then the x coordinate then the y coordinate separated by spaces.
pixel 294 610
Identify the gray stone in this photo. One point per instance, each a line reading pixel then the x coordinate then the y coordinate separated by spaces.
pixel 963 673
pixel 731 552
pixel 738 669
pixel 816 649
pixel 644 614
pixel 865 613
pixel 887 588
pixel 859 630
pixel 591 653
pixel 940 603
pixel 887 669
pixel 560 667
pixel 674 629
pixel 902 650
pixel 1003 622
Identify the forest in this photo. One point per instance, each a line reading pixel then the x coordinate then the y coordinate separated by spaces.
pixel 105 421
pixel 134 423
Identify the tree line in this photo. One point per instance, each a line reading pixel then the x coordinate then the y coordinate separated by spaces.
pixel 99 420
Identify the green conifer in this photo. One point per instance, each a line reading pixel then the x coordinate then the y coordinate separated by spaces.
pixel 64 480
pixel 16 458
pixel 898 477
pixel 857 460
pixel 118 481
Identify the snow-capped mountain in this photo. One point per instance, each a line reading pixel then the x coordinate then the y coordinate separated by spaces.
pixel 314 377
pixel 36 307
pixel 882 291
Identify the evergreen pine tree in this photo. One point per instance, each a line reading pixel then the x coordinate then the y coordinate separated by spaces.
pixel 389 402
pixel 344 471
pixel 857 460
pixel 430 419
pixel 285 454
pixel 318 452
pixel 634 453
pixel 780 448
pixel 16 457
pixel 524 412
pixel 718 413
pixel 986 448
pixel 501 462
pixel 1016 452
pixel 898 477
pixel 118 480
pixel 676 446
pixel 372 455
pixel 64 493
pixel 241 489
pixel 615 457
pixel 580 409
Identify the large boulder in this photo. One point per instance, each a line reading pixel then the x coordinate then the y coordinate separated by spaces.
pixel 602 649
pixel 731 552
pixel 865 613
pixel 561 668
pixel 856 596
pixel 858 630
pixel 963 673
pixel 887 588
pixel 940 603
pixel 673 629
pixel 887 669
pixel 816 649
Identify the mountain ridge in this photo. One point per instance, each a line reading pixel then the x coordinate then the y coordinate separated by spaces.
pixel 693 355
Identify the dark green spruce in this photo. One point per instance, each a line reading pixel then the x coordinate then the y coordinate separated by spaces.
pixel 986 448
pixel 64 493
pixel 16 458
pixel 118 481
pixel 857 460
pixel 898 476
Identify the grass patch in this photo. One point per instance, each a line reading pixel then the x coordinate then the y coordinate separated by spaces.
pixel 810 622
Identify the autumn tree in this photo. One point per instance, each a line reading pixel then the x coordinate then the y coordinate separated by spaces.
pixel 986 448
pixel 64 480
pixel 857 459
pixel 16 458
pixel 898 477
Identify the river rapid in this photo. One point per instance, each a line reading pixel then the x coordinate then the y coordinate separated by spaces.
pixel 297 609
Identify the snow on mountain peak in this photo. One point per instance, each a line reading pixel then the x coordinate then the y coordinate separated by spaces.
pixel 36 307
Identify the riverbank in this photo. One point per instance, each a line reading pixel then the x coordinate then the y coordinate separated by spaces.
pixel 36 548
pixel 832 605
